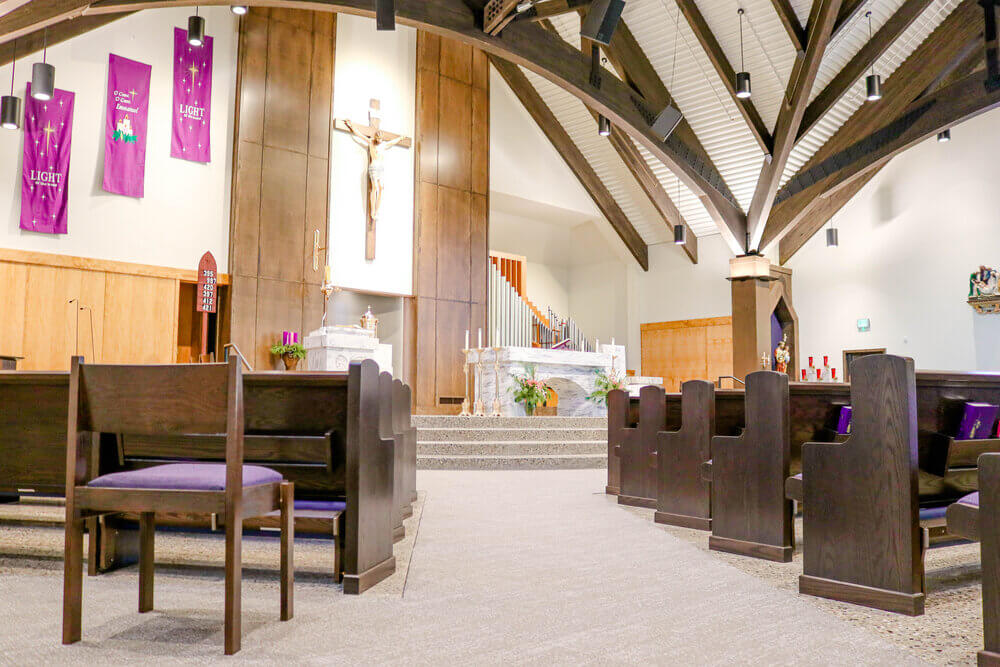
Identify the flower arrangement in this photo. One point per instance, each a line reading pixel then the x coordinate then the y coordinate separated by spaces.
pixel 292 349
pixel 604 383
pixel 530 391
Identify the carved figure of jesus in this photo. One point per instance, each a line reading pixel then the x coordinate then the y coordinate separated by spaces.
pixel 375 141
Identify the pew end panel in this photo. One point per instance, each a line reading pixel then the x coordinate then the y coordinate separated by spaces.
pixel 862 541
pixel 620 422
pixel 989 534
pixel 750 513
pixel 638 474
pixel 683 498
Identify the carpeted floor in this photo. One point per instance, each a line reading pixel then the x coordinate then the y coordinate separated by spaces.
pixel 536 567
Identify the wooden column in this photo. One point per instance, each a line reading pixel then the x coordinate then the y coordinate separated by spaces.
pixel 452 218
pixel 754 300
pixel 281 176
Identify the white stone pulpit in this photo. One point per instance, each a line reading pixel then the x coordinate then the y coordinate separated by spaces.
pixel 333 348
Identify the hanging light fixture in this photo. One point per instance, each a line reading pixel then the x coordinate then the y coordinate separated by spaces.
pixel 239 10
pixel 743 76
pixel 603 126
pixel 10 105
pixel 832 240
pixel 943 135
pixel 873 82
pixel 196 29
pixel 43 75
pixel 680 230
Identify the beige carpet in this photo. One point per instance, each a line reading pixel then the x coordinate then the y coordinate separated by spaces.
pixel 525 567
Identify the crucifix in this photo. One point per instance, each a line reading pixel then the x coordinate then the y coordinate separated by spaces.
pixel 376 141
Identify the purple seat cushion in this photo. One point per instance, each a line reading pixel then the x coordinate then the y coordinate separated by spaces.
pixel 799 476
pixel 971 499
pixel 927 513
pixel 183 477
pixel 321 505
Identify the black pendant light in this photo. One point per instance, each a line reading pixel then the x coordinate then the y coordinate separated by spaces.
pixel 743 76
pixel 943 135
pixel 832 240
pixel 239 10
pixel 873 82
pixel 385 14
pixel 680 229
pixel 603 126
pixel 196 29
pixel 10 106
pixel 601 20
pixel 43 75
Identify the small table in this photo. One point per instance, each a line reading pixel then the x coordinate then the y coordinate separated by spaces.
pixel 8 363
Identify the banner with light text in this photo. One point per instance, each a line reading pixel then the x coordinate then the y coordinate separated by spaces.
pixel 192 110
pixel 125 127
pixel 48 133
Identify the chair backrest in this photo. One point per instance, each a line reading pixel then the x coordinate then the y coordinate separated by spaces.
pixel 162 400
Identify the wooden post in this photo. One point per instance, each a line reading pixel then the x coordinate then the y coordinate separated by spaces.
pixel 751 324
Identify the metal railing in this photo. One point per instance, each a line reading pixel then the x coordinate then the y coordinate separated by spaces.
pixel 239 354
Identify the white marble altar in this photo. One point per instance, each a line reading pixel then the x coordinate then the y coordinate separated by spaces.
pixel 333 348
pixel 571 374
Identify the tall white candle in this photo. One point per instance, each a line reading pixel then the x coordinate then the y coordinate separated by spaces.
pixel 597 345
pixel 496 341
pixel 466 339
pixel 480 339
pixel 612 340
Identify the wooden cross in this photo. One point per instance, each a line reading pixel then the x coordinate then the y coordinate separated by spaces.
pixel 375 140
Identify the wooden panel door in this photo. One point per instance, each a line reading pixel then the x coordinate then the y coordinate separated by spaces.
pixel 13 292
pixel 133 320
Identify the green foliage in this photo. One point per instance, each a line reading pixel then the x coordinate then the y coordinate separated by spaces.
pixel 294 349
pixel 605 383
pixel 530 391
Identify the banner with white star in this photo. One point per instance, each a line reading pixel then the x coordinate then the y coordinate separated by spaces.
pixel 48 133
pixel 125 126
pixel 192 111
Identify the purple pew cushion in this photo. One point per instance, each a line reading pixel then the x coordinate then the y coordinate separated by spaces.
pixel 927 513
pixel 799 476
pixel 971 499
pixel 183 477
pixel 321 505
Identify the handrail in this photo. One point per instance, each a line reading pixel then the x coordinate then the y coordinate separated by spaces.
pixel 238 353
pixel 729 377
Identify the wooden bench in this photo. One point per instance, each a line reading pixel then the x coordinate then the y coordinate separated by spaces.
pixel 320 430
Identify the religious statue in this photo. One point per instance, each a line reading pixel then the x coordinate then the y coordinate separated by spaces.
pixel 983 282
pixel 376 141
pixel 782 356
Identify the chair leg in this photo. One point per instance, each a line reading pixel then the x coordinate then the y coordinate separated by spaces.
pixel 234 579
pixel 287 547
pixel 147 530
pixel 73 580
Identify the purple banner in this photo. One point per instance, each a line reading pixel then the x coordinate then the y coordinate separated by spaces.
pixel 125 127
pixel 192 111
pixel 48 133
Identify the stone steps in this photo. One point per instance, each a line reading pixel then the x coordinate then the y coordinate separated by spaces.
pixel 510 443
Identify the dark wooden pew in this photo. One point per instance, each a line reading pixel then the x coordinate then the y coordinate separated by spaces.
pixel 320 430
pixel 406 435
pixel 976 517
pixel 683 498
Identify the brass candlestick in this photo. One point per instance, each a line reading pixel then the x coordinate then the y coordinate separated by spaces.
pixel 479 409
pixel 497 411
pixel 465 401
pixel 327 289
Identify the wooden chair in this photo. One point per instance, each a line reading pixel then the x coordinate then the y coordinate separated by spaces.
pixel 167 400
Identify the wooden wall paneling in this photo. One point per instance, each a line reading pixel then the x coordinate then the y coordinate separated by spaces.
pixel 425 236
pixel 477 320
pixel 312 308
pixel 286 95
pixel 480 157
pixel 133 320
pixel 298 18
pixel 279 307
pixel 453 318
pixel 316 218
pixel 188 325
pixel 244 236
pixel 456 61
pixel 688 357
pixel 425 334
pixel 321 93
pixel 243 316
pixel 13 293
pixel 480 70
pixel 428 87
pixel 454 134
pixel 282 214
pixel 50 320
pixel 479 248
pixel 253 70
pixel 719 350
pixel 453 243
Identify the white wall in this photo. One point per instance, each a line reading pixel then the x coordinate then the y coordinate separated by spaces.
pixel 381 65
pixel 186 208
pixel 908 242
pixel 676 289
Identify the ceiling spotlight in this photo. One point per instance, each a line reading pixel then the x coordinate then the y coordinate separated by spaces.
pixel 196 29
pixel 603 126
pixel 239 10
pixel 680 234
pixel 743 76
pixel 873 82
pixel 43 75
pixel 385 14
pixel 602 19
pixel 831 238
pixel 943 135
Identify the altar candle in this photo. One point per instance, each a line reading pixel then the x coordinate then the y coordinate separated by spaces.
pixel 326 274
pixel 804 375
pixel 597 345
pixel 295 337
pixel 284 338
pixel 480 339
pixel 826 360
pixel 612 341
pixel 810 362
pixel 819 373
pixel 833 374
pixel 466 339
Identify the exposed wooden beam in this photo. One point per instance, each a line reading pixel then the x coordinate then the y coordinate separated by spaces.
pixel 790 22
pixel 61 32
pixel 39 14
pixel 848 10
pixel 526 44
pixel 7 6
pixel 886 36
pixel 574 159
pixel 790 116
pixel 799 215
pixel 497 14
pixel 550 8
pixel 726 72
pixel 632 65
